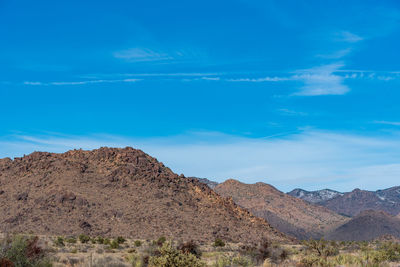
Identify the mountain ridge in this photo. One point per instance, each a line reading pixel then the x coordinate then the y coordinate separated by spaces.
pixel 356 201
pixel 117 191
pixel 290 215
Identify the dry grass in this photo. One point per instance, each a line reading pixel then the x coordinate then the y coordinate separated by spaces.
pixel 95 254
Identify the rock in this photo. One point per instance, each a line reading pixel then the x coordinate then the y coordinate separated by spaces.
pixel 22 196
pixel 85 225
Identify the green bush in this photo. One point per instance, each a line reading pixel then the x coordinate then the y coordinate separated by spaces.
pixel 23 251
pixel 120 240
pixel 99 240
pixel 114 244
pixel 106 241
pixel 172 257
pixel 219 243
pixel 138 243
pixel 59 242
pixel 71 240
pixel 242 261
pixel 84 238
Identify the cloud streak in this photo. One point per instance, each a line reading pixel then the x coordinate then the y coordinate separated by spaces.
pixel 142 55
pixel 80 82
pixel 348 37
pixel 393 123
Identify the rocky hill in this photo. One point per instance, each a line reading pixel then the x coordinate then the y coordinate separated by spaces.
pixel 314 196
pixel 368 225
pixel 112 192
pixel 288 214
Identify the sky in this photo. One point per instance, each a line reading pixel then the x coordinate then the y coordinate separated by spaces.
pixel 292 93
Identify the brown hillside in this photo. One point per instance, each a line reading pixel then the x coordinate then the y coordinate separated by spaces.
pixel 368 225
pixel 114 192
pixel 286 213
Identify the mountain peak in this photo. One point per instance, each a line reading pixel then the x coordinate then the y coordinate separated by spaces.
pixel 314 196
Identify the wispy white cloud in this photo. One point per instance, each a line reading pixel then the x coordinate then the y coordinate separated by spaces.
pixel 393 123
pixel 142 54
pixel 322 80
pixel 80 82
pixel 211 78
pixel 346 36
pixel 262 79
pixel 336 54
pixel 290 112
pixel 311 159
pixel 175 74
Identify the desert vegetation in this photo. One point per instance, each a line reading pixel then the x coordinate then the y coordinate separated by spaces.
pixel 26 250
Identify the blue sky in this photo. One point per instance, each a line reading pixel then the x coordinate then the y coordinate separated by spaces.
pixel 292 93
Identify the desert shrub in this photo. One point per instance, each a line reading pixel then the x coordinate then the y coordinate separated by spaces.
pixel 74 250
pixel 172 257
pixel 347 259
pixel 135 260
pixel 242 261
pixel 390 250
pixel 138 243
pixel 120 240
pixel 312 260
pixel 153 250
pixel 59 242
pixel 71 240
pixel 219 243
pixel 99 240
pixel 84 238
pixel 23 251
pixel 322 247
pixel 114 244
pixel 265 250
pixel 190 247
pixel 222 262
pixel 106 241
pixel 161 240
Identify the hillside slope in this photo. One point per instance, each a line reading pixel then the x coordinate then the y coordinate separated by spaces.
pixel 368 225
pixel 288 214
pixel 113 192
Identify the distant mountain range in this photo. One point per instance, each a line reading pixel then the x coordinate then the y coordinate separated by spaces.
pixel 315 214
pixel 290 215
pixel 315 196
pixel 354 202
